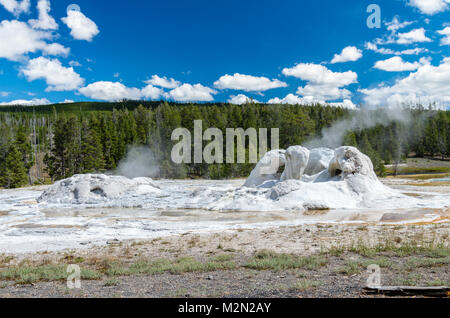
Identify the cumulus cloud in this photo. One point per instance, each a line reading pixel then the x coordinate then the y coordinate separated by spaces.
pixel 241 99
pixel 349 54
pixel 323 84
pixel 17 39
pixel 428 84
pixel 396 25
pixel 346 103
pixel 414 36
pixel 82 28
pixel 292 99
pixel 319 74
pixel 57 77
pixel 56 49
pixel 45 21
pixel 416 51
pixel 247 83
pixel 16 7
pixel 110 91
pixel 74 63
pixel 23 102
pixel 430 7
pixel 396 64
pixel 163 82
pixel 192 93
pixel 446 33
pixel 153 92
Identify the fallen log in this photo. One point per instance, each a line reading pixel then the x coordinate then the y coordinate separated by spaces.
pixel 437 291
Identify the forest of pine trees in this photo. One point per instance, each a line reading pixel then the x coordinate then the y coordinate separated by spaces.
pixel 39 146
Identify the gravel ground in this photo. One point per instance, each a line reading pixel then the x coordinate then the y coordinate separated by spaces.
pixel 334 279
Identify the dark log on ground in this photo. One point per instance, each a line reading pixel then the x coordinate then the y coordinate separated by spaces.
pixel 438 291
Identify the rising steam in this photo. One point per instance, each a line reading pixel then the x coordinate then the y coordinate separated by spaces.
pixel 333 136
pixel 139 162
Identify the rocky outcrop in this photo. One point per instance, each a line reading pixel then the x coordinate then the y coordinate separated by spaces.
pixel 349 161
pixel 267 168
pixel 95 188
pixel 296 161
pixel 319 160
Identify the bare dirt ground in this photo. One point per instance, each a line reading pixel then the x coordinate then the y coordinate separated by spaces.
pixel 305 261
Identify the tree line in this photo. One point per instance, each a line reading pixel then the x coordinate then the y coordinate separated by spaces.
pixel 38 146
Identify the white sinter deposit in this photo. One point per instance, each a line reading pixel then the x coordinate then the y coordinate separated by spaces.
pixel 96 189
pixel 313 180
pixel 297 158
pixel 267 168
pixel 316 179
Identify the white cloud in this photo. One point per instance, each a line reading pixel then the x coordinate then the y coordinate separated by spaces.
pixel 17 39
pixel 153 92
pixel 241 99
pixel 74 63
pixel 292 99
pixel 319 74
pixel 416 51
pixel 16 7
pixel 346 103
pixel 163 82
pixel 110 91
pixel 396 25
pixel 323 84
pixel 428 84
pixel 23 102
pixel 248 83
pixel 57 77
pixel 414 36
pixel 396 64
pixel 430 7
pixel 82 28
pixel 4 94
pixel 323 92
pixel 192 93
pixel 56 49
pixel 349 54
pixel 45 21
pixel 446 33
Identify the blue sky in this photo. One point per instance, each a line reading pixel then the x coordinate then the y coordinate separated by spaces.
pixel 271 51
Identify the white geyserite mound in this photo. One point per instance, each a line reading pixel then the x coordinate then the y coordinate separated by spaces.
pixel 312 180
pixel 94 189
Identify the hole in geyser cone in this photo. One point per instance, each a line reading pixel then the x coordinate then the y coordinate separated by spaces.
pixel 98 191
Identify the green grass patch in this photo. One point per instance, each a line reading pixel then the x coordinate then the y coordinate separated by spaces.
pixel 111 282
pixel 178 266
pixel 438 282
pixel 305 284
pixel 268 260
pixel 353 267
pixel 400 250
pixel 418 170
pixel 426 262
pixel 34 274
